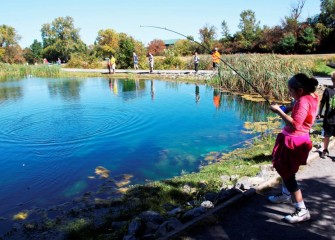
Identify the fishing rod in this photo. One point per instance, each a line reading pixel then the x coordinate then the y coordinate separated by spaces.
pixel 231 67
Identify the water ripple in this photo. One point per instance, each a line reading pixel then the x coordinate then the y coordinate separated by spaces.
pixel 71 125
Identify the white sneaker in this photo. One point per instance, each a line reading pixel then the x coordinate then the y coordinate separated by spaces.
pixel 299 215
pixel 280 198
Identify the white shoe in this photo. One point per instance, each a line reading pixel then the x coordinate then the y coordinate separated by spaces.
pixel 280 198
pixel 299 215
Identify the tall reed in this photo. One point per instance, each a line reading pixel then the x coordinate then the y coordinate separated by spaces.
pixel 14 70
pixel 268 73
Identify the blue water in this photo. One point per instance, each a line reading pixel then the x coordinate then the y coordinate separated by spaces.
pixel 55 132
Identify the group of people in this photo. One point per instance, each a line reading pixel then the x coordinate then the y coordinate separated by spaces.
pixel 216 56
pixel 111 64
pixel 45 61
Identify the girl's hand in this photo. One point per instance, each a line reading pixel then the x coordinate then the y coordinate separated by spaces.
pixel 275 108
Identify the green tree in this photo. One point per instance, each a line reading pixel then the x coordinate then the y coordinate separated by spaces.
pixel 327 15
pixel 207 36
pixel 184 47
pixel 33 54
pixel 225 30
pixel 248 25
pixel 60 39
pixel 126 48
pixel 287 44
pixel 250 31
pixel 327 18
pixel 307 40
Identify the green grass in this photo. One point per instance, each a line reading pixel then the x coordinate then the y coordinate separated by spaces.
pixel 321 69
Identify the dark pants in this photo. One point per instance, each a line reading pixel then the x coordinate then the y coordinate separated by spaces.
pixel 196 67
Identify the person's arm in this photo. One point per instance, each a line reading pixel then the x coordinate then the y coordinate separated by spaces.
pixel 322 103
pixel 286 118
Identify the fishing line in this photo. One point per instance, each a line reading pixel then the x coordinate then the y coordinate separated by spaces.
pixel 231 67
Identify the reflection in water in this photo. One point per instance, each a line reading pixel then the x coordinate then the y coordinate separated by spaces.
pixel 113 86
pixel 217 98
pixel 197 93
pixel 69 89
pixel 152 92
pixel 248 110
pixel 10 93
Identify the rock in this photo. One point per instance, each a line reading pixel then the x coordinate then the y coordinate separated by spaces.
pixel 211 196
pixel 207 204
pixel 174 211
pixel 168 226
pixel 151 216
pixel 134 226
pixel 246 183
pixel 193 213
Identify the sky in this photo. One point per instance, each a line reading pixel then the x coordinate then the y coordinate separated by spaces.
pixel 184 16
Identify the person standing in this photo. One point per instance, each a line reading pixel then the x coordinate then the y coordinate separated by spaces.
pixel 112 63
pixel 216 58
pixel 196 62
pixel 151 62
pixel 135 59
pixel 328 101
pixel 108 65
pixel 293 144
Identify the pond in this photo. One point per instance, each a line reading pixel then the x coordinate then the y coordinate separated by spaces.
pixel 56 132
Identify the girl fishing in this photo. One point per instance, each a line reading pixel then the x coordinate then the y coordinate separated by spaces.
pixel 293 144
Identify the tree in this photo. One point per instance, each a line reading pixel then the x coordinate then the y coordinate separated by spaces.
pixel 157 47
pixel 126 48
pixel 225 30
pixel 287 44
pixel 327 15
pixel 10 51
pixel 33 54
pixel 248 25
pixel 291 23
pixel 61 38
pixel 250 30
pixel 107 42
pixel 269 39
pixel 207 36
pixel 184 47
pixel 307 41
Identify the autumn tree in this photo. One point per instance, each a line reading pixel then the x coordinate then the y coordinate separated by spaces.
pixel 156 47
pixel 10 51
pixel 107 42
pixel 268 39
